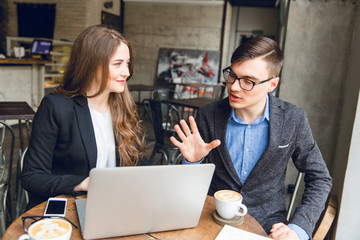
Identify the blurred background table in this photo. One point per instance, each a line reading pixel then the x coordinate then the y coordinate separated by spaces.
pixel 189 106
pixel 194 103
pixel 16 110
pixel 140 88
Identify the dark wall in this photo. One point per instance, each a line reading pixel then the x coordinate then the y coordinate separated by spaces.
pixel 4 20
pixel 36 20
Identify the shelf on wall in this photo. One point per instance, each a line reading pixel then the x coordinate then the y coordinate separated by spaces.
pixel 59 57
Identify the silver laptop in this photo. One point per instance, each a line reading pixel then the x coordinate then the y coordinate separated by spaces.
pixel 134 200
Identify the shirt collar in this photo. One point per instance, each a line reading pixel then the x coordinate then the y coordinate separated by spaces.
pixel 267 109
pixel 265 115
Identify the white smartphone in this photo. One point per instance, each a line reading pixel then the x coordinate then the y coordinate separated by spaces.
pixel 55 207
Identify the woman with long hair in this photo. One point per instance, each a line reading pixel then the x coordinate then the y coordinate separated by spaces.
pixel 91 121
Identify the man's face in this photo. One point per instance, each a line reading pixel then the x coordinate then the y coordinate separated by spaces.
pixel 251 101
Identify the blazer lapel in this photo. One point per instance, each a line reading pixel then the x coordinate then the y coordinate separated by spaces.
pixel 221 121
pixel 275 133
pixel 86 129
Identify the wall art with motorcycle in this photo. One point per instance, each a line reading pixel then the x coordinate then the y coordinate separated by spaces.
pixel 194 72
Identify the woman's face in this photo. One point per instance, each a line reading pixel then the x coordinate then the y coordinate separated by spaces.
pixel 119 69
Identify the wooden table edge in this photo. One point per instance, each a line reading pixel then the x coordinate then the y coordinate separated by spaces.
pixel 250 224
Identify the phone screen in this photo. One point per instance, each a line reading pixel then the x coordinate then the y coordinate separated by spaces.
pixel 56 207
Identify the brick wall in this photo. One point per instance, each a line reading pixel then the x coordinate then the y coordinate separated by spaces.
pixel 150 27
pixel 70 19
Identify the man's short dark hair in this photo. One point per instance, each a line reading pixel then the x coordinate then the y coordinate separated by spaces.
pixel 262 47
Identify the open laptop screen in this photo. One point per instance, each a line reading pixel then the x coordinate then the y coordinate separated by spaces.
pixel 133 200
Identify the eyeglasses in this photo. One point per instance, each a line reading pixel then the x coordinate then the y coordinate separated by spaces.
pixel 28 220
pixel 244 83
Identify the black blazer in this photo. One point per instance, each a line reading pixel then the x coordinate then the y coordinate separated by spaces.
pixel 264 190
pixel 62 148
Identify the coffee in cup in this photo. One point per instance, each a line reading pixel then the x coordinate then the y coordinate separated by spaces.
pixel 51 228
pixel 228 204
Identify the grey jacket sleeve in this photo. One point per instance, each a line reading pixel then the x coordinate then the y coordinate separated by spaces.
pixel 308 159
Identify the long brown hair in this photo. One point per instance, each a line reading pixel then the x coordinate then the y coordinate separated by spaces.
pixel 92 50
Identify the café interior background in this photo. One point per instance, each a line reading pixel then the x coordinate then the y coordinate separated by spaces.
pixel 320 40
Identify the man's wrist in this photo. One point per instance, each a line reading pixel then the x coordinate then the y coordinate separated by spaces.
pixel 184 161
pixel 299 231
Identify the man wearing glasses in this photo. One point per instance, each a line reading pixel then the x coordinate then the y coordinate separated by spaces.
pixel 250 137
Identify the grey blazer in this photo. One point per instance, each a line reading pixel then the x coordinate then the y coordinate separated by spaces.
pixel 264 190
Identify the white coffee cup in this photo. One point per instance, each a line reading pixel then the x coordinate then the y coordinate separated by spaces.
pixel 19 52
pixel 228 204
pixel 51 229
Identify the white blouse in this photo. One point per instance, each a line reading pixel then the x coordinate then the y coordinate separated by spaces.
pixel 105 139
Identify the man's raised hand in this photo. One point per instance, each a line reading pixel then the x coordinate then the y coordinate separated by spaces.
pixel 193 148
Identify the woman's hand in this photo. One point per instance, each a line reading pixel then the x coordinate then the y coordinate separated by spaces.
pixel 83 186
pixel 193 148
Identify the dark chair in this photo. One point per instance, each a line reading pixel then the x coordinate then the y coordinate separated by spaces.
pixel 22 197
pixel 163 117
pixel 6 162
pixel 164 94
pixel 161 94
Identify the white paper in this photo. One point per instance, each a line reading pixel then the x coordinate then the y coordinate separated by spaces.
pixel 232 233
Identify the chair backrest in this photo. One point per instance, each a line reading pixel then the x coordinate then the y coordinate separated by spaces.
pixel 22 197
pixel 153 109
pixel 6 160
pixel 294 194
pixel 326 219
pixel 161 94
pixel 163 117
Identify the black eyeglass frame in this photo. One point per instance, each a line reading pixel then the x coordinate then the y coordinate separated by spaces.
pixel 228 71
pixel 43 217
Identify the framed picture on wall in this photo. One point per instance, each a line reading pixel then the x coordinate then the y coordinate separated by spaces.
pixel 187 66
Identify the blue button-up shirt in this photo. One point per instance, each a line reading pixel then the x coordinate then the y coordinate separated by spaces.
pixel 251 141
pixel 247 142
